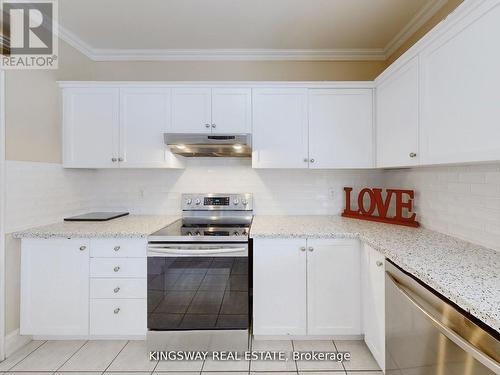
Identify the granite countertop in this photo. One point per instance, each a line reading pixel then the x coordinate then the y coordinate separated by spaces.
pixel 467 274
pixel 131 226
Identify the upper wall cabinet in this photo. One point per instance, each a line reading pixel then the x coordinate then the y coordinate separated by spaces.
pixel 279 133
pixel 91 127
pixel 205 110
pixel 397 117
pixel 459 90
pixel 113 127
pixel 340 128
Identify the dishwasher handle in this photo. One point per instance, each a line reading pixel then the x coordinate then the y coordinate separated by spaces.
pixel 485 359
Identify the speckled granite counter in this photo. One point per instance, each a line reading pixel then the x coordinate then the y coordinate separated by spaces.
pixel 131 226
pixel 467 274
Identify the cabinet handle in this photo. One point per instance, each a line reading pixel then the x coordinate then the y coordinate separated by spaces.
pixel 116 248
pixel 117 289
pixel 114 160
pixel 310 248
pixel 413 155
pixel 116 269
pixel 120 159
pixel 214 126
pixel 117 310
pixel 306 160
pixel 302 248
pixel 312 160
pixel 82 248
pixel 379 263
pixel 207 126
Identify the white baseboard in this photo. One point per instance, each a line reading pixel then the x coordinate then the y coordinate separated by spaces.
pixel 14 341
pixel 308 337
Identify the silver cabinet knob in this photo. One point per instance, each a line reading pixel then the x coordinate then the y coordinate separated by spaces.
pixel 117 289
pixel 82 248
pixel 310 248
pixel 302 248
pixel 312 160
pixel 114 160
pixel 117 310
pixel 306 160
pixel 207 126
pixel 214 126
pixel 116 269
pixel 116 248
pixel 379 263
pixel 413 155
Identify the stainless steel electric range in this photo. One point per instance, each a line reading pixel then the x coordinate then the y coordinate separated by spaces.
pixel 199 276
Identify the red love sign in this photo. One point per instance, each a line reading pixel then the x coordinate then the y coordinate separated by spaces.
pixel 371 200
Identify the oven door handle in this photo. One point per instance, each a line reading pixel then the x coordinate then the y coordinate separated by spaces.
pixel 188 251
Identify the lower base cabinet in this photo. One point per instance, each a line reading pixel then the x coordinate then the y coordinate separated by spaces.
pixel 306 287
pixel 84 287
pixel 374 302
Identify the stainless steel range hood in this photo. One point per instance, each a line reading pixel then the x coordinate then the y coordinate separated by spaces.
pixel 209 145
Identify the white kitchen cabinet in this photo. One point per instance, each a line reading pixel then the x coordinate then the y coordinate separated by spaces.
pixel 280 130
pixel 55 287
pixel 116 128
pixel 211 110
pixel 373 281
pixel 306 287
pixel 144 118
pixel 232 110
pixel 398 117
pixel 191 110
pixel 91 127
pixel 333 287
pixel 341 128
pixel 279 287
pixel 459 90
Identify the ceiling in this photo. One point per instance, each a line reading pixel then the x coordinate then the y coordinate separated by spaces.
pixel 131 29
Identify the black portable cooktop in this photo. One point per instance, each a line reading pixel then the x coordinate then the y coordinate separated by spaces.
pixel 96 216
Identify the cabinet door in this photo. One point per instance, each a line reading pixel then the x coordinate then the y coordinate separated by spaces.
pixel 374 303
pixel 231 111
pixel 341 128
pixel 279 130
pixel 191 110
pixel 279 287
pixel 55 287
pixel 91 127
pixel 145 114
pixel 459 90
pixel 333 287
pixel 397 117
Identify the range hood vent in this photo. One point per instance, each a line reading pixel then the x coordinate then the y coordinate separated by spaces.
pixel 208 145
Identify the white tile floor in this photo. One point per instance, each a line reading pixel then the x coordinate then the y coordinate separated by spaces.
pixel 131 358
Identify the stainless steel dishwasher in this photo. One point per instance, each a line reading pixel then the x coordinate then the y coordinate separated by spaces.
pixel 428 335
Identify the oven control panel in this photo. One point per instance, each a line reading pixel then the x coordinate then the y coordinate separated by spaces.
pixel 217 202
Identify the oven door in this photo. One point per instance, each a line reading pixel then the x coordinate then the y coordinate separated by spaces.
pixel 198 296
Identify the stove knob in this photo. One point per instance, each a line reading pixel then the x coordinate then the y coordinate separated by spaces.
pixel 189 201
pixel 236 233
pixel 189 233
pixel 197 202
pixel 235 202
pixel 244 202
pixel 198 233
pixel 244 232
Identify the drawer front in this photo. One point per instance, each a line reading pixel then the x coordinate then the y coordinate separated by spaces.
pixel 118 317
pixel 118 248
pixel 118 267
pixel 118 288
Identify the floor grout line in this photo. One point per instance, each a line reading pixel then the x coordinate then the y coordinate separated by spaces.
pixel 27 355
pixel 116 356
pixel 72 355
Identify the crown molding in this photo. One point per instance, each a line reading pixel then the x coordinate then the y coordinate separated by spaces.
pixel 424 15
pixel 373 54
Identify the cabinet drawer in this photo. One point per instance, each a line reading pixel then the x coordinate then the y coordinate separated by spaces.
pixel 118 288
pixel 118 317
pixel 118 267
pixel 118 248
